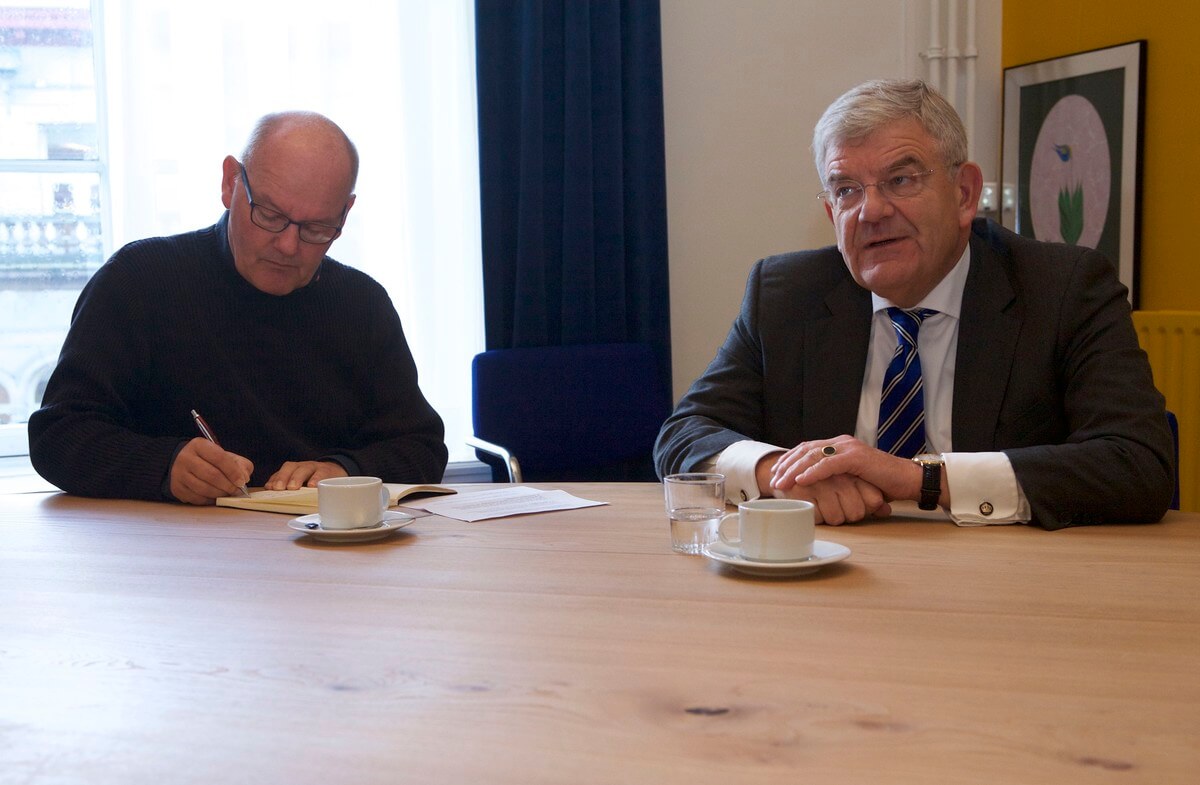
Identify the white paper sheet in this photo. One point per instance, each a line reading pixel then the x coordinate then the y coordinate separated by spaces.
pixel 501 503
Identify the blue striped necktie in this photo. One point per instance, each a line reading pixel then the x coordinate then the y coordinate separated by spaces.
pixel 902 404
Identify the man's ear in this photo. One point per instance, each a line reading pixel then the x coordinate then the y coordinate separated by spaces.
pixel 970 186
pixel 229 173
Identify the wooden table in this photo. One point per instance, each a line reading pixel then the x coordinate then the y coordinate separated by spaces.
pixel 158 643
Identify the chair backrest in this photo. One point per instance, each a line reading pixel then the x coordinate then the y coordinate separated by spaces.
pixel 572 413
pixel 1174 423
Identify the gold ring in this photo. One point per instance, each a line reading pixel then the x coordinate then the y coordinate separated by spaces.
pixel 828 450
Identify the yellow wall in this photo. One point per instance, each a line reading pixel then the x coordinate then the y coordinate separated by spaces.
pixel 1039 29
pixel 1169 278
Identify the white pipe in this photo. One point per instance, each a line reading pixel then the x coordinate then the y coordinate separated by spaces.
pixel 971 54
pixel 952 52
pixel 947 62
pixel 935 53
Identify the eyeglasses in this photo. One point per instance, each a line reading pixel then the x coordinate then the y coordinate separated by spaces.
pixel 849 194
pixel 275 221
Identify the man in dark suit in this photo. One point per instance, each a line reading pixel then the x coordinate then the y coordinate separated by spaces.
pixel 930 356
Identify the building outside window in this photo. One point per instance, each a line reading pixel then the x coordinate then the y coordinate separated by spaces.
pixel 51 181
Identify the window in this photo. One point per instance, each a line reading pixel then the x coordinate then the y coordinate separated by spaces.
pixel 116 115
pixel 51 236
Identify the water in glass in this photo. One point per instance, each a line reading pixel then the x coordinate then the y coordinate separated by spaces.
pixel 693 527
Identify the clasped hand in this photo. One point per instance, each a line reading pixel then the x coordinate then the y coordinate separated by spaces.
pixel 852 483
pixel 203 472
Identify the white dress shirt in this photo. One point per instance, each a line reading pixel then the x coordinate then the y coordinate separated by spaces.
pixel 984 489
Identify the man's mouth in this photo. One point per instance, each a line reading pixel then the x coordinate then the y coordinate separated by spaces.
pixel 883 242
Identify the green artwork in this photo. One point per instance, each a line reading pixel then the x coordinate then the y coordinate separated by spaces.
pixel 1070 214
pixel 1070 200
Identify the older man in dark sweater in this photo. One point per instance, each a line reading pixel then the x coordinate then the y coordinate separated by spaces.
pixel 298 363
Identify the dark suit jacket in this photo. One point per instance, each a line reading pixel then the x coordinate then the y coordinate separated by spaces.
pixel 1048 370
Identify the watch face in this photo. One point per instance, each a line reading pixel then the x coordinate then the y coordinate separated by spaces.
pixel 929 457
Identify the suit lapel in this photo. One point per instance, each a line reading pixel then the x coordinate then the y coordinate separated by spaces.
pixel 987 339
pixel 833 377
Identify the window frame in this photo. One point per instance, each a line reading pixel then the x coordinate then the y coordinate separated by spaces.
pixel 14 439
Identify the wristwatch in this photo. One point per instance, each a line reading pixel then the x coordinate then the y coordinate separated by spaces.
pixel 931 479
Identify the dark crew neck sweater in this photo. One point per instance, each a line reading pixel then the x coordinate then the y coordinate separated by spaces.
pixel 168 325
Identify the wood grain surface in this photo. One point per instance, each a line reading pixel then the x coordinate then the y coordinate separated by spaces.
pixel 160 643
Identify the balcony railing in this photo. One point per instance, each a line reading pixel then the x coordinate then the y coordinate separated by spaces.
pixel 56 251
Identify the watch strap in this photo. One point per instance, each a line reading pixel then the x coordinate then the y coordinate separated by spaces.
pixel 931 485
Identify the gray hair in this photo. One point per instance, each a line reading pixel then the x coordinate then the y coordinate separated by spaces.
pixel 292 120
pixel 862 110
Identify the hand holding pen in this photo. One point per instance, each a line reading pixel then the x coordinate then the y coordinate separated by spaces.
pixel 207 433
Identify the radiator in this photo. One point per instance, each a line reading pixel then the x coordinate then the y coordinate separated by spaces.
pixel 1172 341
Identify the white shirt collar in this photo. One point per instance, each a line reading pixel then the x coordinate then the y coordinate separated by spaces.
pixel 946 297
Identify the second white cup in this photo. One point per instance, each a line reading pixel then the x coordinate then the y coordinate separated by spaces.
pixel 351 502
pixel 773 530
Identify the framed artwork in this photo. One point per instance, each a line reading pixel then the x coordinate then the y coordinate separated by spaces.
pixel 1072 152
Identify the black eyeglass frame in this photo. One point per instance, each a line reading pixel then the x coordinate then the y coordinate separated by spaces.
pixel 256 211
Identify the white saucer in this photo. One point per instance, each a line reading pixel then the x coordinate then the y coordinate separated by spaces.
pixel 824 552
pixel 311 525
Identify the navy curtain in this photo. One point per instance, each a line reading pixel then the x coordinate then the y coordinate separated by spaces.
pixel 572 173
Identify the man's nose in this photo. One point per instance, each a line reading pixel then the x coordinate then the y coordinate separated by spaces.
pixel 875 204
pixel 288 241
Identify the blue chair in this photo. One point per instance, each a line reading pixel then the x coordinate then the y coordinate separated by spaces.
pixel 580 413
pixel 1174 423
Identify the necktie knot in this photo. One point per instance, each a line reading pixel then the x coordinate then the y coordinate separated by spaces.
pixel 908 322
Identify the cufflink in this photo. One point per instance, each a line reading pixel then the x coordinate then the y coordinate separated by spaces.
pixel 986 508
pixel 745 498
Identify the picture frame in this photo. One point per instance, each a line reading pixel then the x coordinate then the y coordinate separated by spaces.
pixel 1071 152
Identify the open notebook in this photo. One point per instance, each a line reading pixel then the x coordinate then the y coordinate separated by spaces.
pixel 303 501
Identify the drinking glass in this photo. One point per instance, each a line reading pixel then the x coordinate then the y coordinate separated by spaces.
pixel 695 505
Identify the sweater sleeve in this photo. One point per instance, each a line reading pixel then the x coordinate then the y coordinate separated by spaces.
pixel 401 438
pixel 83 438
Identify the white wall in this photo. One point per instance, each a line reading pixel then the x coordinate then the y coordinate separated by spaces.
pixel 744 82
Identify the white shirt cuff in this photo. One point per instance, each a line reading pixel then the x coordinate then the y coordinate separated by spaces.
pixel 738 462
pixel 984 489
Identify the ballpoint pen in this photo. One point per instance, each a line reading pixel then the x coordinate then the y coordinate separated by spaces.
pixel 207 433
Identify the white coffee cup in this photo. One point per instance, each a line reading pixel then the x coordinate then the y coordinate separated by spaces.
pixel 773 530
pixel 351 502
